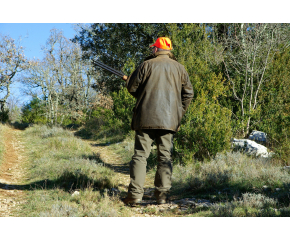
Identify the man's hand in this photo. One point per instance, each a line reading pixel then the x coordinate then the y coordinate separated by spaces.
pixel 125 78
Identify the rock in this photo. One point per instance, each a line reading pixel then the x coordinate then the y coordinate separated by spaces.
pixel 265 188
pixel 190 203
pixel 203 205
pixel 173 207
pixel 258 136
pixel 75 193
pixel 250 147
pixel 278 189
pixel 203 201
pixel 114 191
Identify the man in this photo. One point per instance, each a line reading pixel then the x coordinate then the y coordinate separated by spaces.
pixel 163 91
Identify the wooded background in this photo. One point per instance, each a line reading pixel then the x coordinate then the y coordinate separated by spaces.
pixel 239 72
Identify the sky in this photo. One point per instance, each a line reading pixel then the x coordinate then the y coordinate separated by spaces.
pixel 33 35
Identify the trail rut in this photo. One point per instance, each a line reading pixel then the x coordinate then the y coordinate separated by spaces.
pixel 11 173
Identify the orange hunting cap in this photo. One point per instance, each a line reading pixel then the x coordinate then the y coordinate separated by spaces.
pixel 163 43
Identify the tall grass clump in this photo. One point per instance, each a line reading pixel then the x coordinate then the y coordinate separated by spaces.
pixel 87 204
pixel 249 205
pixel 231 170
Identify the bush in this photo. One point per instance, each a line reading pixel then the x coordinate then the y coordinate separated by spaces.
pixel 232 170
pixel 206 126
pixel 4 116
pixel 34 112
pixel 123 107
pixel 205 130
pixel 276 115
pixel 103 124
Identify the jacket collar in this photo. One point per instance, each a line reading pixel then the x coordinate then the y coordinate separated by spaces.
pixel 161 53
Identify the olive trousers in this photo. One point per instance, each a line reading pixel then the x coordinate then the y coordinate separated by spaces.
pixel 143 141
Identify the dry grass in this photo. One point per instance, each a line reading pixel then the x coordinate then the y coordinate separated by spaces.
pixel 249 205
pixel 1 142
pixel 61 164
pixel 232 170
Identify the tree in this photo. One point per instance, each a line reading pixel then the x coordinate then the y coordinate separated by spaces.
pixel 249 48
pixel 34 112
pixel 206 127
pixel 63 77
pixel 275 120
pixel 120 45
pixel 12 61
pixel 14 109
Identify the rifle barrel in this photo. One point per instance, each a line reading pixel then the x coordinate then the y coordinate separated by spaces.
pixel 110 69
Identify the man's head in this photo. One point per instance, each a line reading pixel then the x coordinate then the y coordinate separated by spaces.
pixel 162 44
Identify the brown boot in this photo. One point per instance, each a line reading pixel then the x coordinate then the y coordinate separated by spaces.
pixel 131 201
pixel 161 197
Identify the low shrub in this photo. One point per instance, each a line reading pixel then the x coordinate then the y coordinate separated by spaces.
pixel 231 170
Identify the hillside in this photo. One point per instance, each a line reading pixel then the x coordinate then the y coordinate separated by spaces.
pixel 50 172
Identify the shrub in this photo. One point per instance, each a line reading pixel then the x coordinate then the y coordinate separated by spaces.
pixel 275 106
pixel 4 115
pixel 231 170
pixel 206 126
pixel 205 130
pixel 34 112
pixel 123 107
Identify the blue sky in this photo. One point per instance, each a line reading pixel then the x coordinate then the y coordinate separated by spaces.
pixel 34 36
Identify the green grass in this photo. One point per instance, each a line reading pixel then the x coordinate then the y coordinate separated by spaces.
pixel 59 165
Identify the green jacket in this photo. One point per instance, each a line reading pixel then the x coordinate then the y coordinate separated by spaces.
pixel 163 91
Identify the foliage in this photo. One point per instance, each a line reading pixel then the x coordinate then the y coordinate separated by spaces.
pixel 34 112
pixel 12 61
pixel 205 128
pixel 101 123
pixel 123 107
pixel 117 43
pixel 249 49
pixel 276 105
pixel 4 115
pixel 63 78
pixel 237 85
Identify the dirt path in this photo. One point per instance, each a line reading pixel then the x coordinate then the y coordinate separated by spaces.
pixel 115 162
pixel 11 173
pixel 148 208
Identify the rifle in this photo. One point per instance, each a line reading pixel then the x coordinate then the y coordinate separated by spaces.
pixel 110 69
